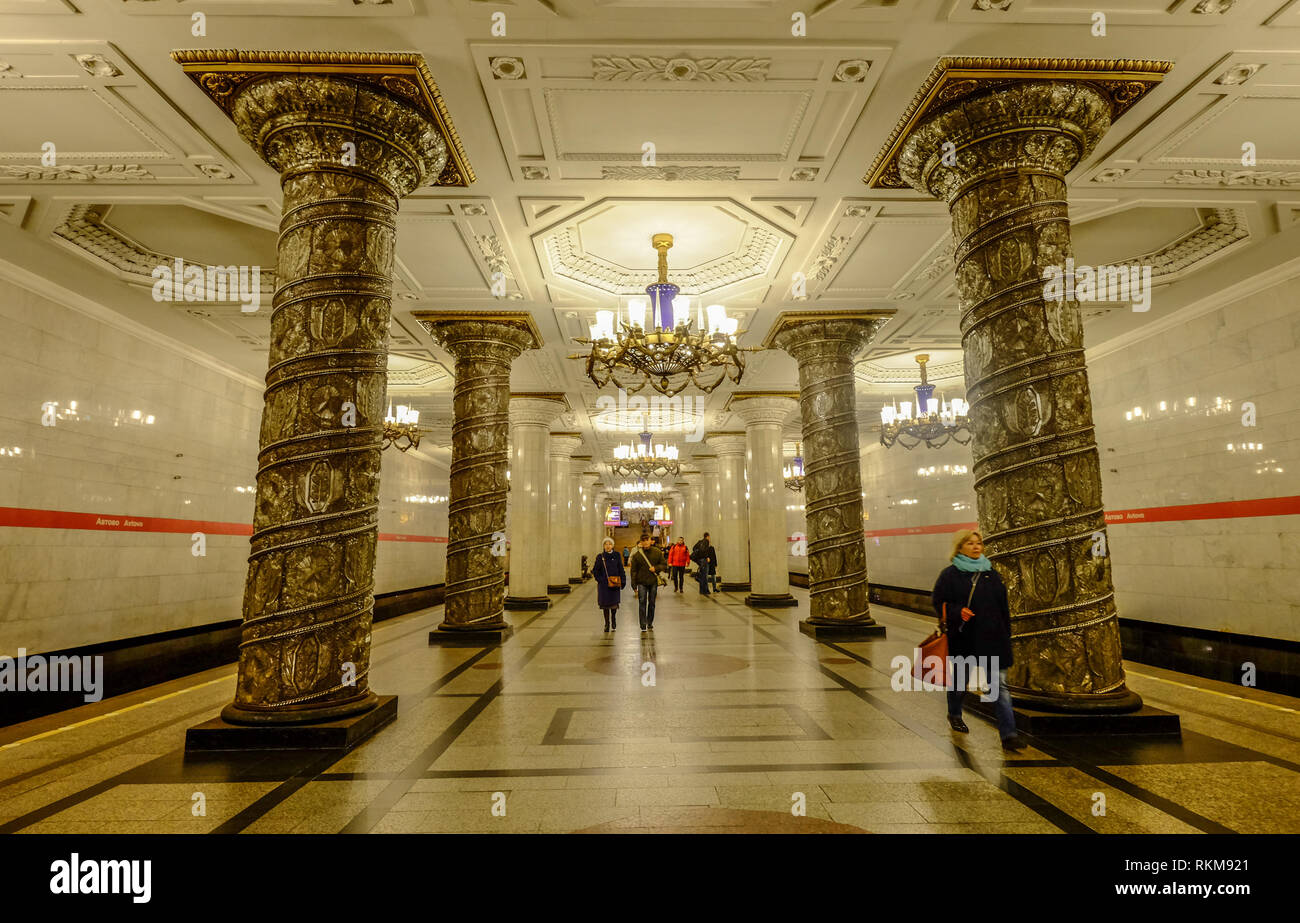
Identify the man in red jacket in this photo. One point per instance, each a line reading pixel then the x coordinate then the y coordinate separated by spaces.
pixel 678 558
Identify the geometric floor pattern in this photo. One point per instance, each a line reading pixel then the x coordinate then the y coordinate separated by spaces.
pixel 724 719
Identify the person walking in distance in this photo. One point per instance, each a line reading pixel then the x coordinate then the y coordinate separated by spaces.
pixel 971 600
pixel 647 563
pixel 706 560
pixel 678 558
pixel 610 577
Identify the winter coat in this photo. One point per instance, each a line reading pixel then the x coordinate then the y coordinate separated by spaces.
pixel 608 564
pixel 988 634
pixel 704 553
pixel 641 574
pixel 678 556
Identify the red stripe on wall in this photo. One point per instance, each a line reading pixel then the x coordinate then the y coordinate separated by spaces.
pixel 1227 509
pixel 62 519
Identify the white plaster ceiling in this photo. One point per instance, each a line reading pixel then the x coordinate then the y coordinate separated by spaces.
pixel 760 141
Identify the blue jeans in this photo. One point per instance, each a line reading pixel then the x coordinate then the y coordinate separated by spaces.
pixel 1001 708
pixel 645 603
pixel 702 575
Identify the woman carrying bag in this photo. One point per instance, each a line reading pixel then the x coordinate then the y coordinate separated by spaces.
pixel 610 577
pixel 971 601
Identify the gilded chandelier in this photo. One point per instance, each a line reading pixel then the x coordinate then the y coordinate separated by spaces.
pixel 402 427
pixel 933 422
pixel 671 352
pixel 645 460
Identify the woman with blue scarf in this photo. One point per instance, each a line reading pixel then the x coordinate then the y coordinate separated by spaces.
pixel 971 600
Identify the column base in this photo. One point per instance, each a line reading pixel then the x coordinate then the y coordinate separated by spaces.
pixel 1146 721
pixel 340 733
pixel 553 588
pixel 491 636
pixel 1120 701
pixel 527 602
pixel 576 581
pixel 728 587
pixel 849 631
pixel 771 601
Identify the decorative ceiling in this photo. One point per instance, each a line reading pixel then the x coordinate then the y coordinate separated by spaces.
pixel 591 124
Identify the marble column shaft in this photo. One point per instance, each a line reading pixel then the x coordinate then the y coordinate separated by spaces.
pixel 824 346
pixel 1036 467
pixel 476 514
pixel 562 516
pixel 709 503
pixel 687 511
pixel 308 600
pixel 530 534
pixel 733 512
pixel 764 419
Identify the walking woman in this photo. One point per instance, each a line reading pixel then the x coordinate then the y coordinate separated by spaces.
pixel 610 577
pixel 971 600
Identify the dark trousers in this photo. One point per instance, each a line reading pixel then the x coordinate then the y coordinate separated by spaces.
pixel 645 603
pixel 679 576
pixel 1001 708
pixel 702 575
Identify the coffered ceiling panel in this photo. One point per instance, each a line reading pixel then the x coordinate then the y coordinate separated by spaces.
pixel 1245 106
pixel 690 112
pixel 111 125
pixel 1121 12
pixel 455 251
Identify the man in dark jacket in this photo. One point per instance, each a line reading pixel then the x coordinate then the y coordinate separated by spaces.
pixel 706 557
pixel 647 562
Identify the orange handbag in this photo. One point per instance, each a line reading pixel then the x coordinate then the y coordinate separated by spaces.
pixel 934 646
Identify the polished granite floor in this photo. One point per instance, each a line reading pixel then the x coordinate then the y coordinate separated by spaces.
pixel 740 721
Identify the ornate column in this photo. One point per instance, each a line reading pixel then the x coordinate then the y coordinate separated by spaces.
pixel 1012 130
pixel 561 516
pixel 733 513
pixel 531 416
pixel 484 345
pixel 601 500
pixel 580 516
pixel 687 511
pixel 765 414
pixel 824 343
pixel 308 601
pixel 709 504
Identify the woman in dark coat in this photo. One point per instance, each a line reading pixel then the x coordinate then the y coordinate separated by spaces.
pixel 971 600
pixel 609 563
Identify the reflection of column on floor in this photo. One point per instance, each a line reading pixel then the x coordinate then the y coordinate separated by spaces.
pixel 765 415
pixel 531 416
pixel 483 345
pixel 308 602
pixel 824 344
pixel 561 515
pixel 1037 472
pixel 733 513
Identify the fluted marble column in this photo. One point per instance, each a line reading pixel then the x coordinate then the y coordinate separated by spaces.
pixel 709 492
pixel 580 487
pixel 562 515
pixel 602 500
pixel 733 512
pixel 764 416
pixel 484 345
pixel 686 512
pixel 584 533
pixel 531 416
pixel 1036 467
pixel 308 601
pixel 823 344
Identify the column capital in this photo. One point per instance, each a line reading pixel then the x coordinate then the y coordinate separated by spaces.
pixel 708 464
pixel 759 407
pixel 535 410
pixel 269 93
pixel 726 443
pixel 502 335
pixel 805 334
pixel 977 115
pixel 563 445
